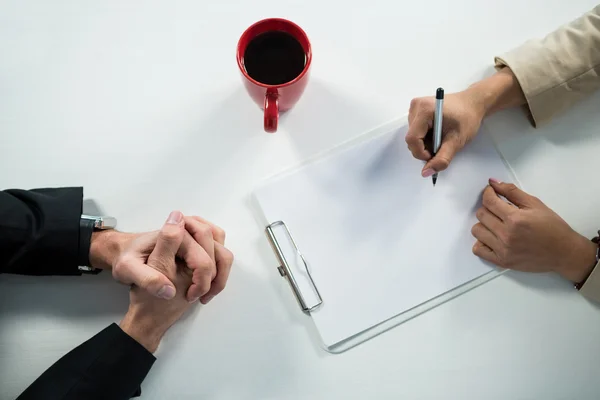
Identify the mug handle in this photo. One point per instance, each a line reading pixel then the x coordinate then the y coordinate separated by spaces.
pixel 271 111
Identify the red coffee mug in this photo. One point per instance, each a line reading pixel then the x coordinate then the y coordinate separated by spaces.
pixel 274 98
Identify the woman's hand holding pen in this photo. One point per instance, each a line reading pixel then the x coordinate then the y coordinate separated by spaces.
pixel 463 113
pixel 462 118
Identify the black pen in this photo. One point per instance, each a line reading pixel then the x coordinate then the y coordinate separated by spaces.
pixel 437 126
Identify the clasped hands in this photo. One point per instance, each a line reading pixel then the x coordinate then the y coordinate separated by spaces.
pixel 168 270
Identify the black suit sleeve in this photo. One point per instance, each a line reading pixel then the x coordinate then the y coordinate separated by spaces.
pixel 111 365
pixel 40 232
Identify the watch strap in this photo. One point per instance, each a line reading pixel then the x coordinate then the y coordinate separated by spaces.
pixel 596 241
pixel 86 228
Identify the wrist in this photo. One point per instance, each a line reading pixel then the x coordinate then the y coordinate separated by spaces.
pixel 142 329
pixel 497 92
pixel 580 261
pixel 105 247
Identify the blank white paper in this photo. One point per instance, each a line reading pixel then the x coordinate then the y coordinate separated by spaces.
pixel 380 239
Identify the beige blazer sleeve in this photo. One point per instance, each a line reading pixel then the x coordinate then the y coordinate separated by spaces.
pixel 555 72
pixel 560 69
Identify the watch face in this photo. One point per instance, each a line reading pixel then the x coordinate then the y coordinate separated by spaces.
pixel 101 222
pixel 106 223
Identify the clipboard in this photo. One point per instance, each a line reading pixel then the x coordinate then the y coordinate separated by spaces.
pixel 314 188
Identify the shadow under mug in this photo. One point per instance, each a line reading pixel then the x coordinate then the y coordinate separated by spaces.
pixel 274 98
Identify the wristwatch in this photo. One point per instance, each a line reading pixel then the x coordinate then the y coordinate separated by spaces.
pixel 87 225
pixel 596 241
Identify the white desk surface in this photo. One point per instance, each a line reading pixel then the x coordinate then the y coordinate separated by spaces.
pixel 142 104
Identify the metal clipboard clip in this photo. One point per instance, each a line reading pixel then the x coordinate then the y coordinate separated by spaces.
pixel 286 271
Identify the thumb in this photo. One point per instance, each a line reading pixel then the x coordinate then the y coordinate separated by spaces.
pixel 130 269
pixel 147 278
pixel 511 193
pixel 443 157
pixel 168 242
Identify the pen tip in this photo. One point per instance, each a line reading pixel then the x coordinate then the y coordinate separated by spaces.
pixel 434 179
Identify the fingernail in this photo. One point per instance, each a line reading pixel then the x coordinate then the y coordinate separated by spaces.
pixel 494 180
pixel 195 299
pixel 427 173
pixel 166 292
pixel 175 217
pixel 207 299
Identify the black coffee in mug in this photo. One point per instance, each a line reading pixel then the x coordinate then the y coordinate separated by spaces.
pixel 274 58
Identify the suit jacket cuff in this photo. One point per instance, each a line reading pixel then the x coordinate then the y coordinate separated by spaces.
pixel 122 361
pixel 43 231
pixel 110 365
